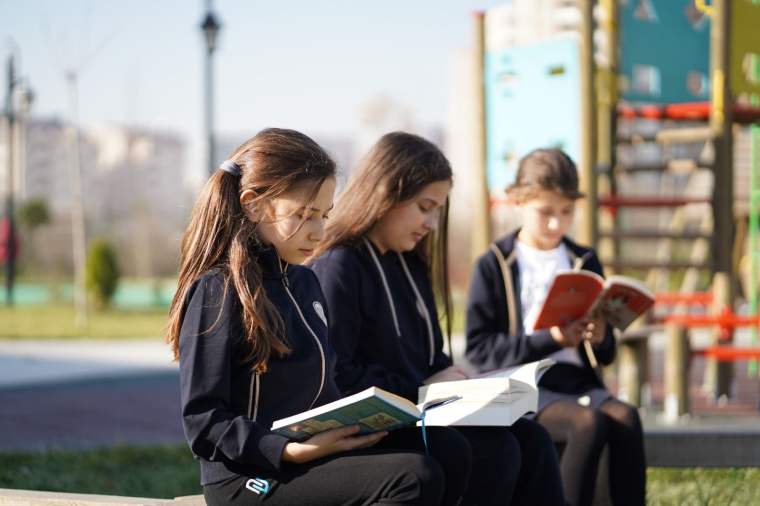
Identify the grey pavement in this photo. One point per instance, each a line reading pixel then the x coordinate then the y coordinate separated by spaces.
pixel 87 393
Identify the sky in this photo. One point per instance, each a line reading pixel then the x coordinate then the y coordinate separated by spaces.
pixel 300 64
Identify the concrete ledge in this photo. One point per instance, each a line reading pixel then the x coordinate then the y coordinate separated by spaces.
pixel 669 448
pixel 10 497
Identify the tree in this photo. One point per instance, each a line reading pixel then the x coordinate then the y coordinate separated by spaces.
pixel 32 215
pixel 102 272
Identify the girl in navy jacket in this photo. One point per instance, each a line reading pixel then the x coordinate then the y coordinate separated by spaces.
pixel 375 269
pixel 507 289
pixel 250 329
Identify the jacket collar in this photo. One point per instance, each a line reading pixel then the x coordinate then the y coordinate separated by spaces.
pixel 578 254
pixel 270 262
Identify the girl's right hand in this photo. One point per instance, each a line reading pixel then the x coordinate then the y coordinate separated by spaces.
pixel 571 334
pixel 329 442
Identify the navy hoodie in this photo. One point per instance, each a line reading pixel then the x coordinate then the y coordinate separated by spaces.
pixel 377 328
pixel 495 334
pixel 227 409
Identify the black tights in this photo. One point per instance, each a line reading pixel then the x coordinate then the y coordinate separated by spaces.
pixel 585 431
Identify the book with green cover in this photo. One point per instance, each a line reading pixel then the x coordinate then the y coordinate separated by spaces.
pixel 374 410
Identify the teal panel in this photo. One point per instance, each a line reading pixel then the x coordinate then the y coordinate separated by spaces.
pixel 532 101
pixel 664 51
pixel 129 294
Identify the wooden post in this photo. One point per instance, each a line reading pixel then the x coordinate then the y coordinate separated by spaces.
pixel 587 230
pixel 676 373
pixel 481 210
pixel 721 122
pixel 722 372
pixel 607 123
pixel 631 370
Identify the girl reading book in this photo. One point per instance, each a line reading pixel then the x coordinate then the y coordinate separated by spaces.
pixel 250 329
pixel 507 290
pixel 386 240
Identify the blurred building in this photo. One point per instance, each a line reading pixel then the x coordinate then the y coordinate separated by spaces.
pixel 134 193
pixel 524 22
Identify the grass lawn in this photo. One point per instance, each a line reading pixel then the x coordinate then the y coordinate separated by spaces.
pixel 165 472
pixel 57 322
pixel 161 472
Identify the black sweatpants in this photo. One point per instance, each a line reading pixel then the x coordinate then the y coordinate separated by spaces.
pixel 396 471
pixel 514 465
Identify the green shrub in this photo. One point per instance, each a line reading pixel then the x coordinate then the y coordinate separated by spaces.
pixel 102 272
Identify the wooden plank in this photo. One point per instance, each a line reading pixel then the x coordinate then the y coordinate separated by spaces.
pixel 644 265
pixel 654 234
pixel 651 202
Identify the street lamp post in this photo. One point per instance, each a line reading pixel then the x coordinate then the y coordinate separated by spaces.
pixel 210 29
pixel 10 232
pixel 10 248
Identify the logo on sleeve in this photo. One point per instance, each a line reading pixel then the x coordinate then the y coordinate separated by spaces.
pixel 258 485
pixel 320 312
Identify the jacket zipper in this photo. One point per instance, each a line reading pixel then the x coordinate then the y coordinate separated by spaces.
pixel 385 285
pixel 286 284
pixel 253 399
pixel 422 306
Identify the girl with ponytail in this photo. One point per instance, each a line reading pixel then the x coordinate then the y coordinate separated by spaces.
pixel 249 327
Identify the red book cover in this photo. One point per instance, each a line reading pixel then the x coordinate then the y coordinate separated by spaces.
pixel 571 296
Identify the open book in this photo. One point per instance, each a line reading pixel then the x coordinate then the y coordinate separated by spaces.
pixel 576 293
pixel 497 398
pixel 373 409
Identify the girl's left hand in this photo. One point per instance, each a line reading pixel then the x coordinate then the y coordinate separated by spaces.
pixel 596 328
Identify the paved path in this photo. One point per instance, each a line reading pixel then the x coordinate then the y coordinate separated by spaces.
pixel 87 393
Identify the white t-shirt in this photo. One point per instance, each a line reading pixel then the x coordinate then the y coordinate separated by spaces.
pixel 537 270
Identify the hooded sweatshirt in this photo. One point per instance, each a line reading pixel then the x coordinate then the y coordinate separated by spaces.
pixel 495 334
pixel 384 323
pixel 227 410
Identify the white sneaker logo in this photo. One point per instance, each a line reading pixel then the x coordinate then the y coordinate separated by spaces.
pixel 320 312
pixel 258 485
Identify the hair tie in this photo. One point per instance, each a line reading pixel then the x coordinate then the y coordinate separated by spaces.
pixel 231 167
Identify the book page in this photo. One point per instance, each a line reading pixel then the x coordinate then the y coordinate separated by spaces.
pixel 528 373
pixel 623 301
pixel 484 402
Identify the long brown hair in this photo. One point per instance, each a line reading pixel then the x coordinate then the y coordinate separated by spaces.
pixel 395 170
pixel 222 236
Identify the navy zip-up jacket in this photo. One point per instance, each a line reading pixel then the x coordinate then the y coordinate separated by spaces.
pixel 380 335
pixel 495 334
pixel 227 409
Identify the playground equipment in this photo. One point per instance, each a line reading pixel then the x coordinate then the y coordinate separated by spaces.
pixel 673 98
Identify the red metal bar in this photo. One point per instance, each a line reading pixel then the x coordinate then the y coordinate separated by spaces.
pixel 673 298
pixel 728 353
pixel 688 111
pixel 725 320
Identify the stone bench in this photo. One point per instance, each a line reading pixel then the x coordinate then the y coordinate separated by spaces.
pixel 664 448
pixel 10 497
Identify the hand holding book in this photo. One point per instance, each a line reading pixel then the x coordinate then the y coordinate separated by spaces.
pixel 329 442
pixel 596 328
